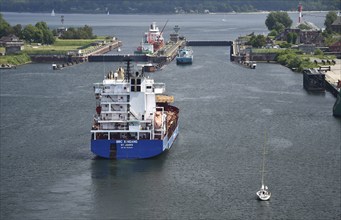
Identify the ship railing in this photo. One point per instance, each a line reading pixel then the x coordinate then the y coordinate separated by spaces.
pixel 121 135
pixel 132 125
pixel 115 102
pixel 114 93
pixel 158 134
pixel 108 119
pixel 107 99
pixel 98 85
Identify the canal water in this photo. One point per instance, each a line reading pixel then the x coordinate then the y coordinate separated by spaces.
pixel 227 113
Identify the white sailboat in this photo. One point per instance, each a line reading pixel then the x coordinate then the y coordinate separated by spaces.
pixel 52 13
pixel 264 193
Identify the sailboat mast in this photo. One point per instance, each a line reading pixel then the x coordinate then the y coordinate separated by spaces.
pixel 263 165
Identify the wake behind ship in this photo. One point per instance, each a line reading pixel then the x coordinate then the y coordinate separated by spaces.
pixel 133 117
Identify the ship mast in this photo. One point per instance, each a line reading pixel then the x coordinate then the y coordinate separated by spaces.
pixel 158 38
pixel 263 164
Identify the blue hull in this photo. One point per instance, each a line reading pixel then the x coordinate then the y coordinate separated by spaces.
pixel 184 60
pixel 132 149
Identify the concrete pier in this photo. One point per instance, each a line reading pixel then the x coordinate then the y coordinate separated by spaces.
pixel 314 80
pixel 334 75
pixel 75 57
pixel 236 52
pixel 159 58
pixel 208 43
pixel 117 57
pixel 333 78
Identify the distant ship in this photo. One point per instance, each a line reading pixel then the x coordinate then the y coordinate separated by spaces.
pixel 52 13
pixel 185 56
pixel 152 40
pixel 134 118
pixel 144 48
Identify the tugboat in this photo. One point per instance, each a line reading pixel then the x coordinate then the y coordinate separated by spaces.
pixel 152 40
pixel 185 56
pixel 57 66
pixel 134 118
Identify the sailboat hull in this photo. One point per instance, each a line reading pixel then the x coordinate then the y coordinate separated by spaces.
pixel 263 195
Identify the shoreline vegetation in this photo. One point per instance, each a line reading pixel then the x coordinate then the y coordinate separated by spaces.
pixel 284 45
pixel 290 58
pixel 60 47
pixel 15 59
pixel 208 13
pixel 164 6
pixel 296 60
pixel 285 55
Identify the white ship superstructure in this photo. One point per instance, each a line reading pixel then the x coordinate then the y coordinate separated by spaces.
pixel 130 107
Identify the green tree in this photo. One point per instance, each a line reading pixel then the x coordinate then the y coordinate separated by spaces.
pixel 318 52
pixel 304 27
pixel 48 37
pixel 278 20
pixel 294 38
pixel 30 33
pixel 42 25
pixel 279 27
pixel 39 33
pixel 17 30
pixel 330 18
pixel 79 33
pixel 273 33
pixel 329 39
pixel 45 35
pixel 5 27
pixel 285 45
pixel 257 41
pixel 291 37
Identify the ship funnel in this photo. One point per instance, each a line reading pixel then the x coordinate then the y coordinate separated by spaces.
pixel 153 26
pixel 176 28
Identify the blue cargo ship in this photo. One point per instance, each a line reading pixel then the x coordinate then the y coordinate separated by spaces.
pixel 185 56
pixel 134 118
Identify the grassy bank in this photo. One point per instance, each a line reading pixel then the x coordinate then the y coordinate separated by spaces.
pixel 295 59
pixel 61 47
pixel 75 42
pixel 16 59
